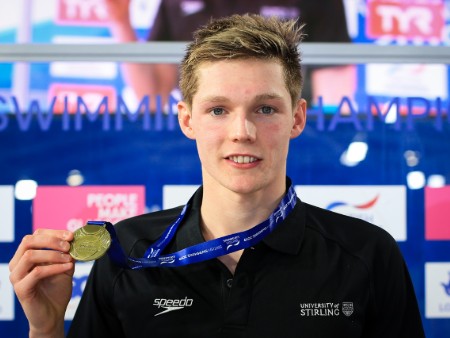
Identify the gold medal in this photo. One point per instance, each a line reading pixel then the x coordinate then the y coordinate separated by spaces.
pixel 89 243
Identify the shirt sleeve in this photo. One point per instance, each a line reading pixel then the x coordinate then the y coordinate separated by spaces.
pixel 95 315
pixel 325 21
pixel 160 30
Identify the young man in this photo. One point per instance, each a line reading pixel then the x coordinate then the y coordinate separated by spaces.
pixel 265 264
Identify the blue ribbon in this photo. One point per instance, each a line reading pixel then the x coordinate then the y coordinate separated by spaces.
pixel 200 252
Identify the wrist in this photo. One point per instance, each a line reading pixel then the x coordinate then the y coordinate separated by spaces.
pixel 122 31
pixel 58 332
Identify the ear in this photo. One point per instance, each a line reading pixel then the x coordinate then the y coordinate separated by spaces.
pixel 299 118
pixel 185 120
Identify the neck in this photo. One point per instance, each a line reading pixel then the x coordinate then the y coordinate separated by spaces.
pixel 226 212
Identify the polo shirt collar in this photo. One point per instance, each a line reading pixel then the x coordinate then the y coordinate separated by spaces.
pixel 286 238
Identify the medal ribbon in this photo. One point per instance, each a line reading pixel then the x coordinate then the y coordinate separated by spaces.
pixel 202 251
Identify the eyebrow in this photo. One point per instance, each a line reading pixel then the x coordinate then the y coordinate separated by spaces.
pixel 214 98
pixel 268 96
pixel 260 97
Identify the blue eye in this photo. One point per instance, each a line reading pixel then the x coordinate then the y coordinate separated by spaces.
pixel 217 111
pixel 266 110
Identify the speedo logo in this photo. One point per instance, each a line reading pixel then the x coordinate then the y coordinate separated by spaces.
pixel 172 304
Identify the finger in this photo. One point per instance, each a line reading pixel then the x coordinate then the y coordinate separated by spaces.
pixel 42 238
pixel 62 234
pixel 25 287
pixel 33 258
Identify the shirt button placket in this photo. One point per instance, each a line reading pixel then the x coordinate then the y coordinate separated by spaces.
pixel 238 303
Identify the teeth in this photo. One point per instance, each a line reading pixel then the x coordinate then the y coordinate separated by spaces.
pixel 243 159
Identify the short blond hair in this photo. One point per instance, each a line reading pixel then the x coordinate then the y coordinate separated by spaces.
pixel 241 37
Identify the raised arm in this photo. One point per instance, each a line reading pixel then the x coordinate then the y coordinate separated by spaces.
pixel 41 273
pixel 144 78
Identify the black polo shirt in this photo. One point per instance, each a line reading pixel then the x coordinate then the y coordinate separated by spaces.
pixel 176 20
pixel 319 274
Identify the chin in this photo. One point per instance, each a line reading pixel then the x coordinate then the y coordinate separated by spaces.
pixel 246 185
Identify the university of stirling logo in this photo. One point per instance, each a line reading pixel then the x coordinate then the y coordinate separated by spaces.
pixel 326 309
pixel 347 308
pixel 170 305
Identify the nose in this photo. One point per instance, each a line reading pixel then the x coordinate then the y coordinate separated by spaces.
pixel 243 129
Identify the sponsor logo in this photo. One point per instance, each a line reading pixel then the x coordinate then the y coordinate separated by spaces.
pixel 84 203
pixel 82 12
pixel 362 210
pixel 231 242
pixel 437 290
pixel 384 205
pixel 366 205
pixel 170 305
pixel 414 19
pixel 167 260
pixel 326 309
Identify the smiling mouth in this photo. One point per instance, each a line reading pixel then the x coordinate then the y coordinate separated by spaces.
pixel 242 159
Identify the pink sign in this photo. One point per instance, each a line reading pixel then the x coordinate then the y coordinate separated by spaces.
pixel 73 97
pixel 411 19
pixel 82 12
pixel 437 213
pixel 63 207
